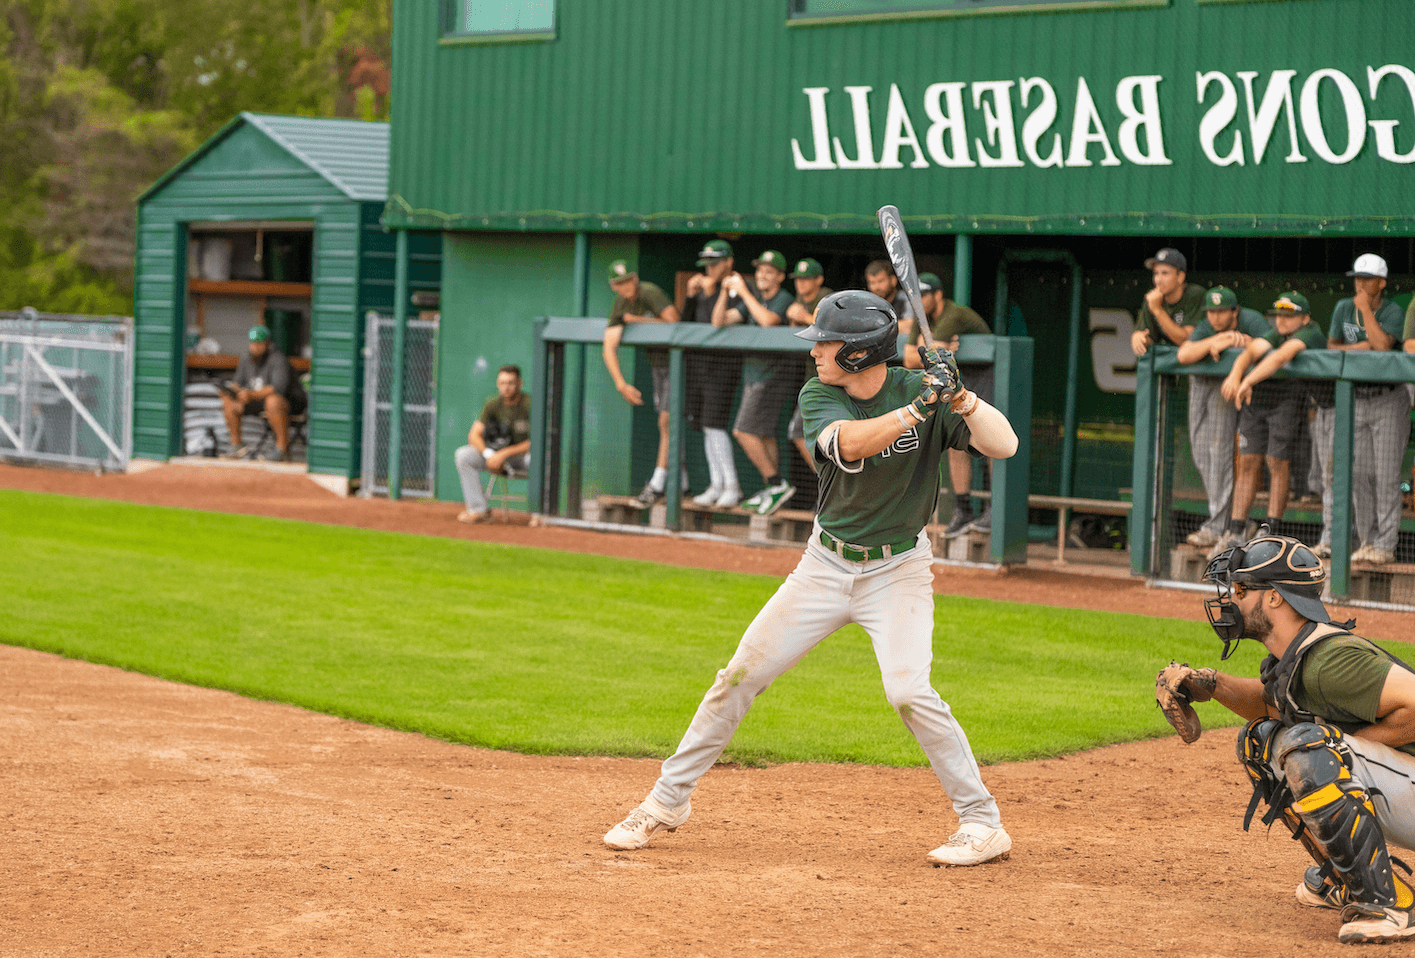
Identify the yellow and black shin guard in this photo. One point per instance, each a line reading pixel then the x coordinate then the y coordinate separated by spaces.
pixel 1338 816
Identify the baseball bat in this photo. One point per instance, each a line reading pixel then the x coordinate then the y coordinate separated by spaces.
pixel 901 255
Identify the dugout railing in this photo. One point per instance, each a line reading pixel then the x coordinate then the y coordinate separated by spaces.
pixel 1169 499
pixel 566 349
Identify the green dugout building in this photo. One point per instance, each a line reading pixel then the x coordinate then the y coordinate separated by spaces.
pixel 1039 152
pixel 274 220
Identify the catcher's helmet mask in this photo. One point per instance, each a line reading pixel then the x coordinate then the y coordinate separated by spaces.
pixel 858 321
pixel 1265 562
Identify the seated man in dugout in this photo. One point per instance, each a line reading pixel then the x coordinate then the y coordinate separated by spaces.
pixel 1268 413
pixel 264 383
pixel 498 442
pixel 880 278
pixel 1213 421
pixel 809 280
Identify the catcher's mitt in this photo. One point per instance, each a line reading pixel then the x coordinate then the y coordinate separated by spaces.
pixel 1176 686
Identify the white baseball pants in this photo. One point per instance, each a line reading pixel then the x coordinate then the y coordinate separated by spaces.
pixel 892 600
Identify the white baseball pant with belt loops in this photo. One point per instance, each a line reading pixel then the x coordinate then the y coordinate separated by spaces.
pixel 892 600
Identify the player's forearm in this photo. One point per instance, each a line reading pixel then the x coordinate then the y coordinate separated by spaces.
pixel 517 449
pixel 1241 696
pixel 862 438
pixel 611 362
pixel 992 434
pixel 1395 729
pixel 1193 351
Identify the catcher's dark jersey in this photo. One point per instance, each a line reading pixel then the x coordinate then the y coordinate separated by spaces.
pixel 1340 680
pixel 894 495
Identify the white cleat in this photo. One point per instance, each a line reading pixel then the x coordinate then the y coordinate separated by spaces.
pixel 1372 924
pixel 641 825
pixel 973 844
pixel 729 498
pixel 708 496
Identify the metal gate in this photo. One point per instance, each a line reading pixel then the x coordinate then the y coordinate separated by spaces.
pixel 418 460
pixel 66 389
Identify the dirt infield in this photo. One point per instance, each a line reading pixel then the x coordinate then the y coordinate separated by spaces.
pixel 142 817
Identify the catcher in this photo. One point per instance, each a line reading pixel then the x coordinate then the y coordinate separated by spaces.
pixel 1330 741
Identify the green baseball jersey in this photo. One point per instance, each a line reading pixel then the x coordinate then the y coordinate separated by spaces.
pixel 893 496
pixel 1341 681
pixel 1348 326
pixel 1409 332
pixel 955 320
pixel 1250 323
pixel 1187 312
pixel 506 423
pixel 649 301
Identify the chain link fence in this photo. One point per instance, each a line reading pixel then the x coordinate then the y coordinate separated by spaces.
pixel 418 460
pixel 1208 457
pixel 66 389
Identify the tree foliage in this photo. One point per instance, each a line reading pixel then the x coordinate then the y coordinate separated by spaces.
pixel 98 98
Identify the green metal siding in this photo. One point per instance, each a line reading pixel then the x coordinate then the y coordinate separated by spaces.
pixel 246 176
pixel 680 116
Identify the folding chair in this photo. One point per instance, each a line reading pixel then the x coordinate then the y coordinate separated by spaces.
pixel 505 496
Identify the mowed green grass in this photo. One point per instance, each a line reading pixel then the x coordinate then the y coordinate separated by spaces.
pixel 540 651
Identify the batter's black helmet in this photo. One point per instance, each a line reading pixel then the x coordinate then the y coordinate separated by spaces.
pixel 860 320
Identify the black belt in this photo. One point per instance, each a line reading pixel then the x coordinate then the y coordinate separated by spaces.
pixel 864 553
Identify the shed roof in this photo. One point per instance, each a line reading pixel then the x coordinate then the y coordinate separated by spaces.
pixel 351 154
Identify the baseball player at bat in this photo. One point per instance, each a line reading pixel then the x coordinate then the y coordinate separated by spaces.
pixel 878 434
pixel 1330 739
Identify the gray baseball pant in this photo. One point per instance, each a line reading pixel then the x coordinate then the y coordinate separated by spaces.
pixel 1382 428
pixel 1212 424
pixel 1323 434
pixel 470 466
pixel 892 600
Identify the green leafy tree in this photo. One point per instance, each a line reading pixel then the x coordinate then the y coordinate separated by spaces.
pixel 98 98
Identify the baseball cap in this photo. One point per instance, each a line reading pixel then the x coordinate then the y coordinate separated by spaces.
pixel 771 258
pixel 806 269
pixel 1168 257
pixel 620 270
pixel 1220 297
pixel 714 250
pixel 928 282
pixel 1290 304
pixel 259 334
pixel 1369 265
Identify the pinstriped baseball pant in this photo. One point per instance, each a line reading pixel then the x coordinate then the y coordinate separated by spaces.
pixel 1381 430
pixel 1212 424
pixel 892 600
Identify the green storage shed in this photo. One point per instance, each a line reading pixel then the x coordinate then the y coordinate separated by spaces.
pixel 273 219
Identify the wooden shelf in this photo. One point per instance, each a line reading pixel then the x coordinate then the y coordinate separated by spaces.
pixel 251 287
pixel 228 361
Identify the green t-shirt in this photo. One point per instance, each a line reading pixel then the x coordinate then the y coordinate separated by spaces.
pixel 1341 681
pixel 809 305
pixel 894 495
pixel 650 301
pixel 761 367
pixel 1187 312
pixel 955 320
pixel 1348 327
pixel 1272 391
pixel 1250 323
pixel 1409 332
pixel 506 423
